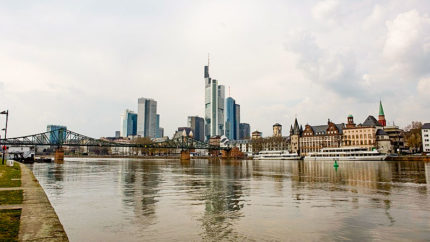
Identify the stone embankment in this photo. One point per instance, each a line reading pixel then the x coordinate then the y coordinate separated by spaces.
pixel 39 222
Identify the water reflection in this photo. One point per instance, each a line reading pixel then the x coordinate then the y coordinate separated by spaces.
pixel 121 199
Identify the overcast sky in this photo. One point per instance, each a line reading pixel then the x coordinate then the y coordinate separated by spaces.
pixel 82 63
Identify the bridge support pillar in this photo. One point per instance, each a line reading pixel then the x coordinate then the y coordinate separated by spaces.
pixel 185 155
pixel 59 155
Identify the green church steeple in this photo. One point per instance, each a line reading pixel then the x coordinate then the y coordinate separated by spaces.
pixel 381 109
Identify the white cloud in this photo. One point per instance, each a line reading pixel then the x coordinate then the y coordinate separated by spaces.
pixel 326 10
pixel 407 45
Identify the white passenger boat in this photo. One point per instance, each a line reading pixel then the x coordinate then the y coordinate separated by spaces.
pixel 276 155
pixel 346 153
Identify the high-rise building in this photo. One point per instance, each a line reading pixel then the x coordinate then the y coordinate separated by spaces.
pixel 230 121
pixel 214 106
pixel 147 117
pixel 159 131
pixel 58 133
pixel 244 131
pixel 237 121
pixel 128 123
pixel 197 125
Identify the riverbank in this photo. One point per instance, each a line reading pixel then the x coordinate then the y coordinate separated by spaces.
pixel 25 211
pixel 39 220
pixel 409 158
pixel 135 157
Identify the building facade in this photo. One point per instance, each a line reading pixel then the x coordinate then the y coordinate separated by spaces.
pixel 237 122
pixel 425 134
pixel 58 133
pixel 230 118
pixel 277 130
pixel 295 133
pixel 197 125
pixel 314 138
pixel 214 106
pixel 128 123
pixel 147 117
pixel 359 135
pixel 244 131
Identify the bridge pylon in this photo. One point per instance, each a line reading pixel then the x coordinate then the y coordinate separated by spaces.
pixel 185 155
pixel 59 155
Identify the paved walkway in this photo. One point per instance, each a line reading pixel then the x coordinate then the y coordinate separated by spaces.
pixel 39 222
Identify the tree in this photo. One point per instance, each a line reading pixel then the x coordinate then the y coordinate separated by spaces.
pixel 413 136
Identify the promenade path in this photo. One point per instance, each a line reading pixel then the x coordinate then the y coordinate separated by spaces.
pixel 39 222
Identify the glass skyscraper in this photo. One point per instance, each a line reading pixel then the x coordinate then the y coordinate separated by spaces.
pixel 197 125
pixel 147 117
pixel 128 123
pixel 230 127
pixel 214 106
pixel 244 131
pixel 58 133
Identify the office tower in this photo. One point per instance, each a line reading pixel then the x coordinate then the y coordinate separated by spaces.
pixel 197 125
pixel 230 121
pixel 147 117
pixel 159 130
pixel 117 134
pixel 214 106
pixel 237 122
pixel 128 123
pixel 244 131
pixel 58 133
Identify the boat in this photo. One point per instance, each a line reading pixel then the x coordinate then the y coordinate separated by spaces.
pixel 346 153
pixel 276 155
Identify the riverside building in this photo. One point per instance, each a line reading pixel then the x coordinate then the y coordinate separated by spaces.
pixel 314 138
pixel 214 106
pixel 425 134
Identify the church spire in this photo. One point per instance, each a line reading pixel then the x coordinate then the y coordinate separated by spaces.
pixel 381 117
pixel 381 109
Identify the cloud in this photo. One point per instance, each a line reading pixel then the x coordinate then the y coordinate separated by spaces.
pixel 326 10
pixel 336 70
pixel 407 45
pixel 423 87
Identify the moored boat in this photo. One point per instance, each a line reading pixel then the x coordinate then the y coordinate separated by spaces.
pixel 346 153
pixel 276 155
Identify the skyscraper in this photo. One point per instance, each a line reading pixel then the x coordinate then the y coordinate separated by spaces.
pixel 197 125
pixel 128 123
pixel 58 133
pixel 230 121
pixel 147 117
pixel 214 106
pixel 244 131
pixel 237 122
pixel 159 132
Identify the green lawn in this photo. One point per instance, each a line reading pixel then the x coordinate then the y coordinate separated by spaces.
pixel 11 197
pixel 8 173
pixel 9 224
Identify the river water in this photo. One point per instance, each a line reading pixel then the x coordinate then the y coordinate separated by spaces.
pixel 165 200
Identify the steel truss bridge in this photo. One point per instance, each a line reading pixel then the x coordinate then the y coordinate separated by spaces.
pixel 64 137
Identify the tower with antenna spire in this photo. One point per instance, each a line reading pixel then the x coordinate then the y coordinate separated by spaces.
pixel 381 116
pixel 214 105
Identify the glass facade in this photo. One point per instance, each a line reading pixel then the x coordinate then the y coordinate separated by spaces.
pixel 197 126
pixel 147 117
pixel 214 106
pixel 128 124
pixel 58 133
pixel 230 130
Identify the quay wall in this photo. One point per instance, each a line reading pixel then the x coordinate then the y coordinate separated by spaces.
pixel 39 221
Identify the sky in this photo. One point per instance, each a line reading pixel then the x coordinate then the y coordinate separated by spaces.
pixel 82 63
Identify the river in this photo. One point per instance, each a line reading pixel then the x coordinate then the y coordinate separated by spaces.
pixel 164 200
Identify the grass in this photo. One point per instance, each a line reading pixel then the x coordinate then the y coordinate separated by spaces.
pixel 11 197
pixel 8 173
pixel 9 224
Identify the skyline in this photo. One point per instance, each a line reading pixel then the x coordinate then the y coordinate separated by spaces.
pixel 334 59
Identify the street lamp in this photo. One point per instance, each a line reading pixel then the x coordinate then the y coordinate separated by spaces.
pixel 5 133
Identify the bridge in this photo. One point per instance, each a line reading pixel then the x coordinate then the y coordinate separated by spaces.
pixel 64 137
